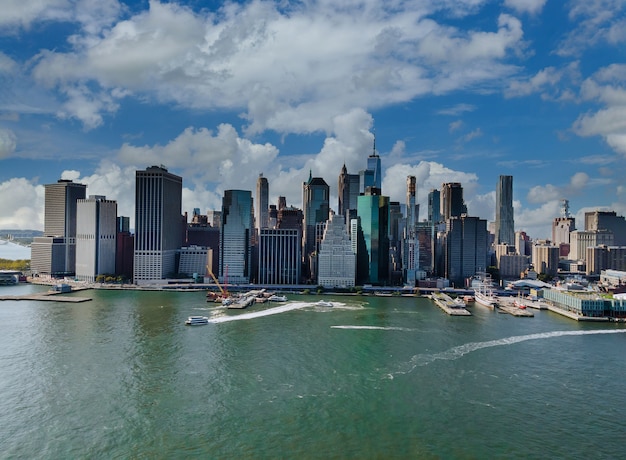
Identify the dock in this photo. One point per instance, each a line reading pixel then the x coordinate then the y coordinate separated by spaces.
pixel 46 296
pixel 507 305
pixel 451 306
pixel 243 302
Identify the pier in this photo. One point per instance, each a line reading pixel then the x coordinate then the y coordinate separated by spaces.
pixel 507 305
pixel 46 296
pixel 452 307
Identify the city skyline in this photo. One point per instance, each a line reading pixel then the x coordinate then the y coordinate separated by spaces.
pixel 463 93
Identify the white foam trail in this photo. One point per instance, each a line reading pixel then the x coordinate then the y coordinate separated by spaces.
pixel 381 328
pixel 257 314
pixel 462 350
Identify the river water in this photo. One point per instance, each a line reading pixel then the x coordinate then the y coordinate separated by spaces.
pixel 121 376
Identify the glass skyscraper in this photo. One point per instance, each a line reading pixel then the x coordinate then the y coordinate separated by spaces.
pixel 236 237
pixel 505 226
pixel 373 212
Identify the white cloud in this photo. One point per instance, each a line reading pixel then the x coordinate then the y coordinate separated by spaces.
pixel 526 6
pixel 457 109
pixel 546 193
pixel 21 204
pixel 291 70
pixel 8 142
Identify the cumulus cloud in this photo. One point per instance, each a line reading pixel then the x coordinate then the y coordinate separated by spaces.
pixel 545 193
pixel 607 87
pixel 21 204
pixel 249 57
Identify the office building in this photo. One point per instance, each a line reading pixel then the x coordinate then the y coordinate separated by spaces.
pixel 236 237
pixel 373 215
pixel 434 206
pixel 452 203
pixel 158 224
pixel 348 193
pixel 124 249
pixel 600 258
pixel 96 237
pixel 581 240
pixel 262 202
pixel 280 258
pixel 54 254
pixel 505 226
pixel 465 248
pixel 410 247
pixel 336 260
pixel 607 220
pixel 315 199
pixel 545 258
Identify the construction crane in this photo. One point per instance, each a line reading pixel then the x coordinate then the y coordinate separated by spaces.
pixel 223 292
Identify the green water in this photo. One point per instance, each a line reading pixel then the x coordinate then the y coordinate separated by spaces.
pixel 121 376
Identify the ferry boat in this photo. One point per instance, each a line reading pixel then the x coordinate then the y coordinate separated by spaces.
pixel 197 321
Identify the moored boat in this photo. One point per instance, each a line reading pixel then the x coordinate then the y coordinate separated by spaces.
pixel 277 298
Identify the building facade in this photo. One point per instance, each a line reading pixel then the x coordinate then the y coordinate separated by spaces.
pixel 262 202
pixel 280 258
pixel 373 215
pixel 315 199
pixel 336 260
pixel 96 235
pixel 505 225
pixel 452 203
pixel 55 253
pixel 158 224
pixel 236 237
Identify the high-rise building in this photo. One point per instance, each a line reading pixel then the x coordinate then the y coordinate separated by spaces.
pixel 96 233
pixel 55 253
pixel 562 227
pixel 262 202
pixel 336 260
pixel 581 240
pixel 373 214
pixel 236 237
pixel 348 191
pixel 280 259
pixel 410 248
pixel 315 199
pixel 465 248
pixel 505 225
pixel 158 224
pixel 434 206
pixel 607 220
pixel 545 257
pixel 125 248
pixel 452 203
pixel 372 176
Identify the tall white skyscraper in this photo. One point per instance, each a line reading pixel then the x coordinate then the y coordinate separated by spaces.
pixel 158 223
pixel 96 232
pixel 505 226
pixel 336 259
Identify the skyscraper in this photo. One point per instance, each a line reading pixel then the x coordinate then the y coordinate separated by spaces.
pixel 464 248
pixel 315 199
pixel 158 223
pixel 337 261
pixel 96 233
pixel 410 248
pixel 452 203
pixel 236 237
pixel 348 188
pixel 434 206
pixel 373 213
pixel 262 202
pixel 55 252
pixel 505 226
pixel 372 176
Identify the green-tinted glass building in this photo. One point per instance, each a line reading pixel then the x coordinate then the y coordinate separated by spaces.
pixel 373 213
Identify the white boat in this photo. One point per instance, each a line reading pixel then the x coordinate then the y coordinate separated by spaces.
pixel 486 298
pixel 197 321
pixel 277 298
pixel 324 303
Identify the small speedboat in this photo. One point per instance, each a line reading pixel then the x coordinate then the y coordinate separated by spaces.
pixel 277 298
pixel 324 303
pixel 197 321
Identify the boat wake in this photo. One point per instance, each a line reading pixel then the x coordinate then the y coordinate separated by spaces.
pixel 273 311
pixel 380 328
pixel 462 350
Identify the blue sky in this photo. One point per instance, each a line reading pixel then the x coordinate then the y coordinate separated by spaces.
pixel 453 90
